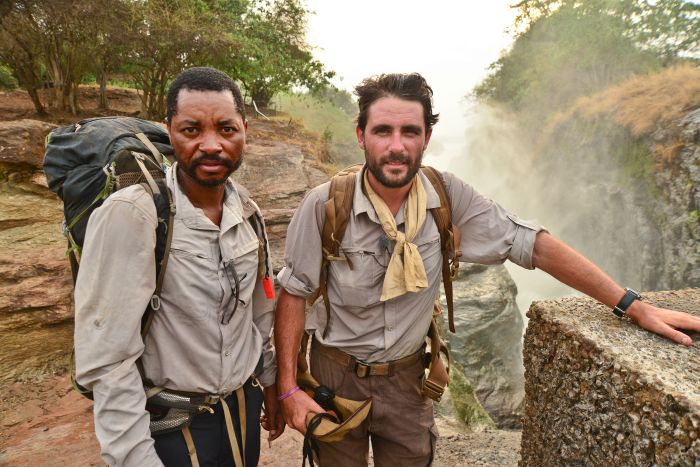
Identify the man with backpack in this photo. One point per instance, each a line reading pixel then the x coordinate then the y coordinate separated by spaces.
pixel 189 390
pixel 373 244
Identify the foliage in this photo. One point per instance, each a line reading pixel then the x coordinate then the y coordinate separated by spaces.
pixel 274 56
pixel 671 28
pixel 326 118
pixel 164 40
pixel 7 81
pixel 55 37
pixel 569 48
pixel 54 44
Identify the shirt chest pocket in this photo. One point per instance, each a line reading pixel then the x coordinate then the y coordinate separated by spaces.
pixel 243 266
pixel 192 284
pixel 361 284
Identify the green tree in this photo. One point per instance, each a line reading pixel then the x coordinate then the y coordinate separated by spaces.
pixel 167 36
pixel 565 49
pixel 55 38
pixel 274 56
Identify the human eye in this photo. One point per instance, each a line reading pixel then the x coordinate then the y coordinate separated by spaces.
pixel 190 130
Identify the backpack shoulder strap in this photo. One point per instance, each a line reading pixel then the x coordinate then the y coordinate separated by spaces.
pixel 449 238
pixel 253 214
pixel 165 209
pixel 338 209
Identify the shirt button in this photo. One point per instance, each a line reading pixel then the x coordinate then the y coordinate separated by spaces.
pixel 227 353
pixel 390 328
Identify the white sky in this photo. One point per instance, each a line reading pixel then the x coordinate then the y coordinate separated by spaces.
pixel 450 42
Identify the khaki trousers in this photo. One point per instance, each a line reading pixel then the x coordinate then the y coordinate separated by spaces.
pixel 400 425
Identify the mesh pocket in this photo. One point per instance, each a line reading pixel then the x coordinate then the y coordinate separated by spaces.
pixel 133 178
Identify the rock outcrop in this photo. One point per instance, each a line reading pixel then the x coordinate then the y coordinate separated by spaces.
pixel 487 344
pixel 602 391
pixel 22 143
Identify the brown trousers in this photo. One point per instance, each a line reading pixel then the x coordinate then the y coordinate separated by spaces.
pixel 400 425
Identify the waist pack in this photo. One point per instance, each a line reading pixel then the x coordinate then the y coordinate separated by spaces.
pixel 86 162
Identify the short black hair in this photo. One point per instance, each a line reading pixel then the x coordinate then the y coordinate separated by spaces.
pixel 203 79
pixel 410 87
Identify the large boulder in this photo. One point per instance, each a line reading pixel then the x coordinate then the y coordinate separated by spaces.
pixel 488 341
pixel 22 143
pixel 602 391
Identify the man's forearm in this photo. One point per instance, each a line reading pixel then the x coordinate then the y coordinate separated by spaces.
pixel 289 326
pixel 573 269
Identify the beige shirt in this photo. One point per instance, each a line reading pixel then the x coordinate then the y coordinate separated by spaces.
pixel 187 347
pixel 360 324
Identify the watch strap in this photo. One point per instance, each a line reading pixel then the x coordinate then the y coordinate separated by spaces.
pixel 625 302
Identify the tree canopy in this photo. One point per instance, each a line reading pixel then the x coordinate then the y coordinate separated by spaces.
pixel 56 43
pixel 565 49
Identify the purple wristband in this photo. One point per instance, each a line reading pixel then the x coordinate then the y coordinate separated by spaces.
pixel 287 394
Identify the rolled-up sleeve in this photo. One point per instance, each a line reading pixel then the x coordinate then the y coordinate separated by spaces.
pixel 489 234
pixel 303 250
pixel 114 285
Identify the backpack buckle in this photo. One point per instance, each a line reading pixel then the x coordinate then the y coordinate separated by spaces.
pixel 155 303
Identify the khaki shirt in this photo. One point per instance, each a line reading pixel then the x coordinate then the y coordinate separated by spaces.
pixel 360 324
pixel 187 347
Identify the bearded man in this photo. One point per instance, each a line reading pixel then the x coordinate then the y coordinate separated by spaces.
pixel 370 344
pixel 209 342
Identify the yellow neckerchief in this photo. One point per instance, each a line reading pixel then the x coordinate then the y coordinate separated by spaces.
pixel 406 272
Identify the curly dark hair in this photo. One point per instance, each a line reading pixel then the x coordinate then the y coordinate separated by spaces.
pixel 411 87
pixel 203 79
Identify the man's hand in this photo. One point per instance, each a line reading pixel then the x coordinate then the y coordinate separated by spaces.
pixel 295 409
pixel 272 419
pixel 664 322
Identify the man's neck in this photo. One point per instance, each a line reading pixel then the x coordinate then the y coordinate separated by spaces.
pixel 208 199
pixel 393 197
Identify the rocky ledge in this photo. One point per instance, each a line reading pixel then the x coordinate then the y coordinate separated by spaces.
pixel 601 391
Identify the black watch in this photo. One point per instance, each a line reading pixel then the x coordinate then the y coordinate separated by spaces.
pixel 625 302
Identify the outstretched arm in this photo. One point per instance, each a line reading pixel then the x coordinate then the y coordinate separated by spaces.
pixel 289 325
pixel 570 267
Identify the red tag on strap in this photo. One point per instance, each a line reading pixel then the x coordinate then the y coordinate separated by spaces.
pixel 269 287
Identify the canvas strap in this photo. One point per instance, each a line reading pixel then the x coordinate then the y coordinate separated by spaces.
pixel 190 446
pixel 151 147
pixel 238 456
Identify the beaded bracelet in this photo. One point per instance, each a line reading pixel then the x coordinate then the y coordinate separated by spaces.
pixel 287 394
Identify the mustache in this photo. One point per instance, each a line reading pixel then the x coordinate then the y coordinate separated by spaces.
pixel 212 158
pixel 393 157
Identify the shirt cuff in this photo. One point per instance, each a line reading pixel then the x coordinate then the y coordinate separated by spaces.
pixel 291 284
pixel 524 242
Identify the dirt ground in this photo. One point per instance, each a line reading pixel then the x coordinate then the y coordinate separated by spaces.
pixel 43 422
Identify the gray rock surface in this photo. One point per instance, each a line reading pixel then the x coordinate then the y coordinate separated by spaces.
pixel 602 391
pixel 487 343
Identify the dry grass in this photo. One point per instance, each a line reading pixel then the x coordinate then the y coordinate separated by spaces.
pixel 640 103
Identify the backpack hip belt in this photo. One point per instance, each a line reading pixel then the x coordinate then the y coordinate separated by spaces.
pixel 363 369
pixel 176 410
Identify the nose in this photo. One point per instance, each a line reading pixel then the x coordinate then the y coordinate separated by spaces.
pixel 396 143
pixel 209 143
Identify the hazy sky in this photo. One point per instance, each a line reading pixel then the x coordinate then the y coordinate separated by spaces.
pixel 451 43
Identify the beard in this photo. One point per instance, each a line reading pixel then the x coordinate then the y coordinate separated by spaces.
pixel 375 167
pixel 191 169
